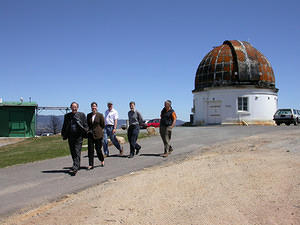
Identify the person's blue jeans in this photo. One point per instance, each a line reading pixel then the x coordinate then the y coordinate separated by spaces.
pixel 108 132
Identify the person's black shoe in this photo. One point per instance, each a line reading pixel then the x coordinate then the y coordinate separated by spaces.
pixel 121 151
pixel 165 155
pixel 138 150
pixel 131 156
pixel 73 172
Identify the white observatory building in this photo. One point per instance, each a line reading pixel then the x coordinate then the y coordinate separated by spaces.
pixel 234 84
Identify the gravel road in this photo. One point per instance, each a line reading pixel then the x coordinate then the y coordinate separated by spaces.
pixel 218 149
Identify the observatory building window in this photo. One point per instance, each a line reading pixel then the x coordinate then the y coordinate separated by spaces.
pixel 242 103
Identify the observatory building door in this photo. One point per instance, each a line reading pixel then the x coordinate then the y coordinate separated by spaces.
pixel 214 112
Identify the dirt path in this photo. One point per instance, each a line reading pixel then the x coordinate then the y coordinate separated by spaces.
pixel 6 141
pixel 254 180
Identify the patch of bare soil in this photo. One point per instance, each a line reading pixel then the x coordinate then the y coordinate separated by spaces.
pixel 6 141
pixel 254 180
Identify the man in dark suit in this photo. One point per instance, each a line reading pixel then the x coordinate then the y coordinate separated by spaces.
pixel 95 122
pixel 74 129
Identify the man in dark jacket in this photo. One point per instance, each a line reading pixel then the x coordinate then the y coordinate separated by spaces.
pixel 167 122
pixel 95 122
pixel 135 119
pixel 74 129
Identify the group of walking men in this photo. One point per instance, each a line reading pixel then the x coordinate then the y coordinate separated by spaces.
pixel 97 128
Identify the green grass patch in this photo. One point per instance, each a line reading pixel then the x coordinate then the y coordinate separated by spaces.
pixel 41 148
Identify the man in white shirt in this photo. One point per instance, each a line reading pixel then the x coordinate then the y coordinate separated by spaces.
pixel 111 122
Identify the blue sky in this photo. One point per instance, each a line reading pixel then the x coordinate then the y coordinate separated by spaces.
pixel 59 51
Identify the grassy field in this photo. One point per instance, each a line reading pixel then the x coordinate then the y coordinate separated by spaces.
pixel 41 148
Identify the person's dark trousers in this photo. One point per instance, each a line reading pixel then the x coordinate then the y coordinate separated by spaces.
pixel 75 144
pixel 165 133
pixel 132 134
pixel 94 144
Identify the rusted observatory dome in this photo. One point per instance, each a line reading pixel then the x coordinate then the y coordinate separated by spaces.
pixel 234 63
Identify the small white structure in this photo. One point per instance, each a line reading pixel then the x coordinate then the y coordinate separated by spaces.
pixel 234 84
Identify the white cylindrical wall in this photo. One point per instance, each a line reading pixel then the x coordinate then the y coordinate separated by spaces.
pixel 262 104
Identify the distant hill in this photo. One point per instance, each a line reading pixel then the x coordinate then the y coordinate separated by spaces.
pixel 43 120
pixel 122 121
pixel 179 122
pixel 44 124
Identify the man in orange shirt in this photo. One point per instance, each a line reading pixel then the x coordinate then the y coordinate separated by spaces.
pixel 167 122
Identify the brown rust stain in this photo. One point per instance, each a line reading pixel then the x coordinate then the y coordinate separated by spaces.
pixel 240 56
pixel 228 59
pixel 226 68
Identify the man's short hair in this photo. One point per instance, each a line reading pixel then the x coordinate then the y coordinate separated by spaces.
pixel 74 103
pixel 94 103
pixel 169 102
pixel 109 103
pixel 132 102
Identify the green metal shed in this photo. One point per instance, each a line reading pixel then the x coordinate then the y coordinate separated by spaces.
pixel 17 119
